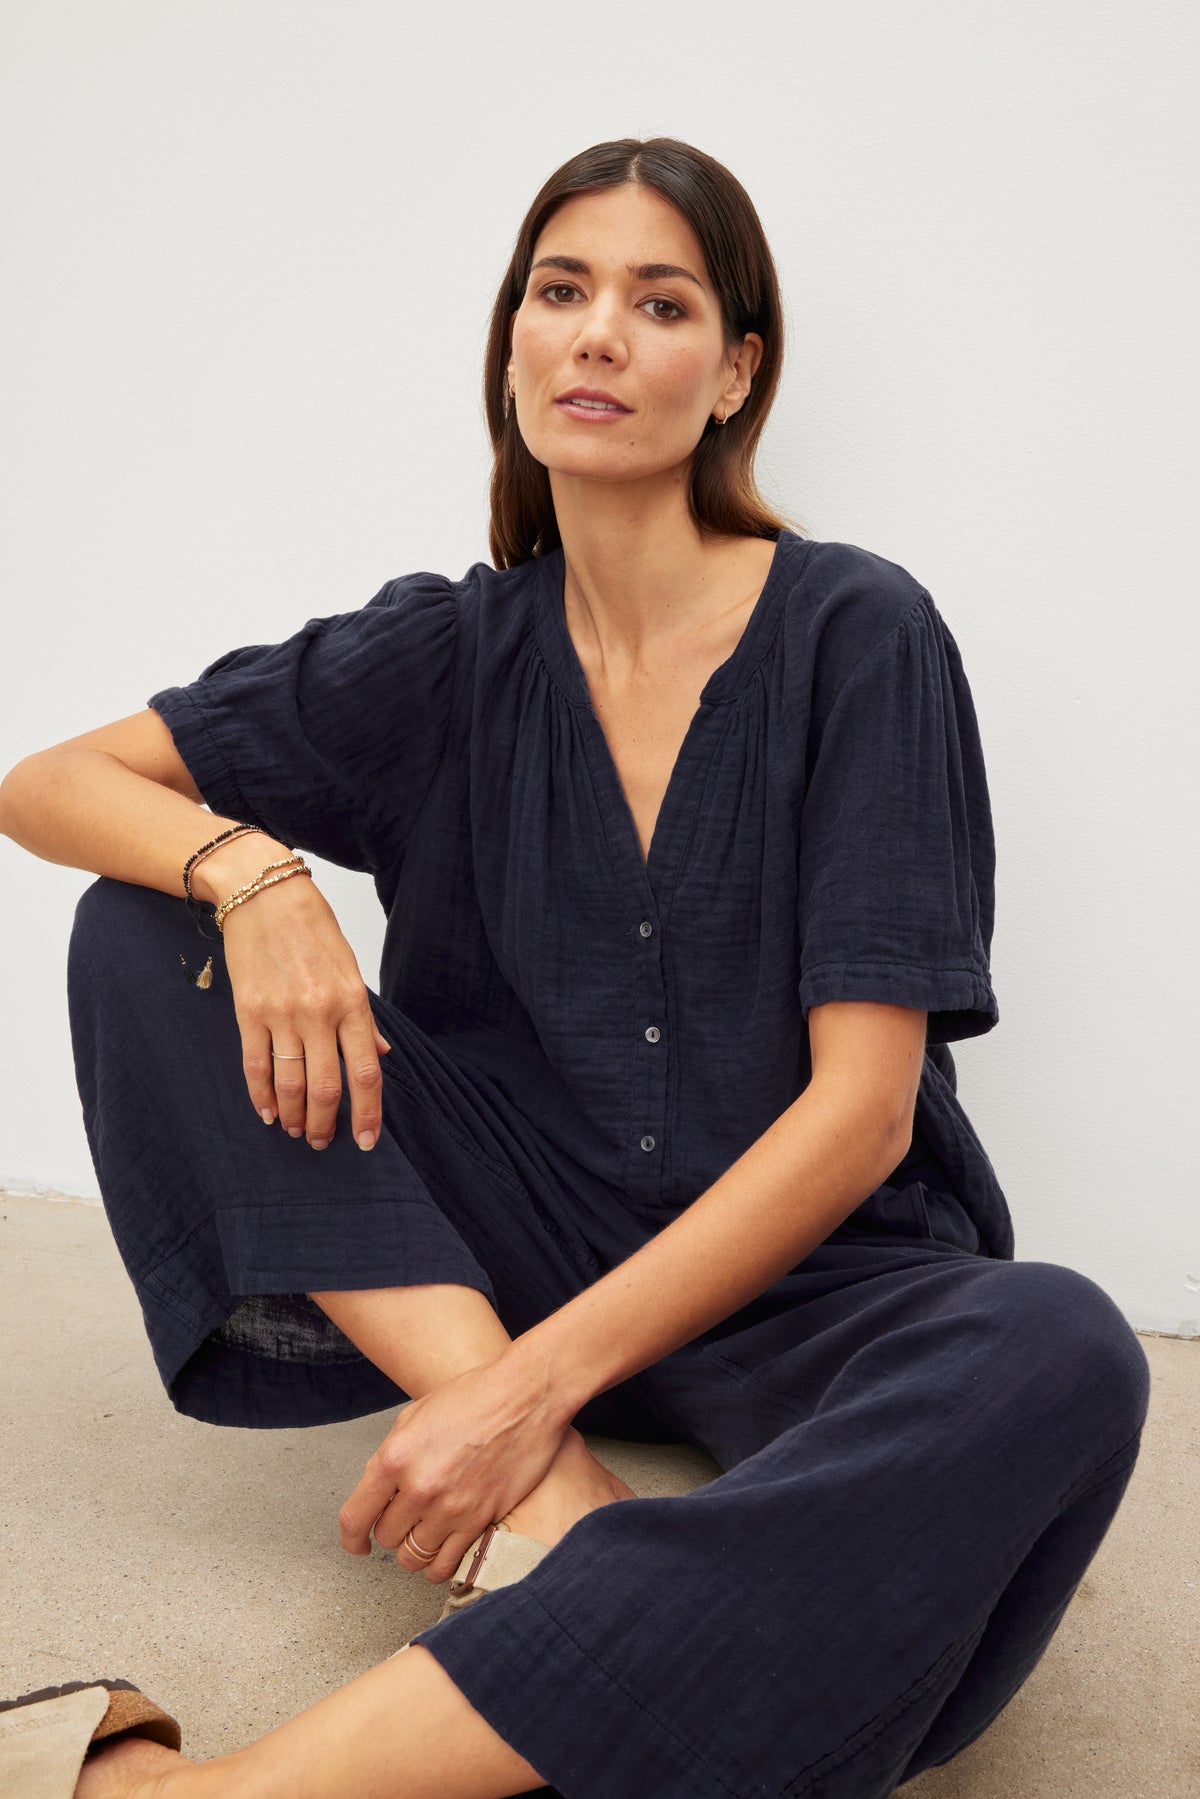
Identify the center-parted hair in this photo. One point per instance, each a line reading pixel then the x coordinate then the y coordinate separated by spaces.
pixel 723 496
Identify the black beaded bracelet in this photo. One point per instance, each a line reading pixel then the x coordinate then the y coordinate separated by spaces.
pixel 233 831
pixel 203 978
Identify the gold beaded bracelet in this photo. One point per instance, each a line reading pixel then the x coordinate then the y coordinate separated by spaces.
pixel 295 865
pixel 206 849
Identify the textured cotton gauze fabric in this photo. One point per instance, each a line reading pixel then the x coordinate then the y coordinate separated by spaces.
pixel 915 1431
pixel 825 835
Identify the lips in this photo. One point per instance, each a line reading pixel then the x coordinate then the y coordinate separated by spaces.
pixel 595 396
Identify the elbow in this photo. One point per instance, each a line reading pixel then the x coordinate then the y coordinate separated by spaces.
pixel 9 788
pixel 901 1144
pixel 902 1134
pixel 23 794
pixel 894 1146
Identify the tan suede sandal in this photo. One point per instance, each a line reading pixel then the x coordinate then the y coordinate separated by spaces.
pixel 45 1737
pixel 493 1560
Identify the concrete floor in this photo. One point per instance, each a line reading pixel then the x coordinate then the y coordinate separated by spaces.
pixel 204 1563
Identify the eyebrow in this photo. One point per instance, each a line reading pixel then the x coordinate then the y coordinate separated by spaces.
pixel 643 271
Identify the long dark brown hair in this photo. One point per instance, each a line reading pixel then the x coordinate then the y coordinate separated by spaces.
pixel 723 496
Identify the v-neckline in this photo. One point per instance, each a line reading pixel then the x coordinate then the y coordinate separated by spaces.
pixel 674 815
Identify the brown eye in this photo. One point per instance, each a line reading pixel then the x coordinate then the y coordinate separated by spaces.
pixel 678 313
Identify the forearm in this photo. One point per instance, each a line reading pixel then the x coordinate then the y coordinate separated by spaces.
pixel 769 1210
pixel 85 808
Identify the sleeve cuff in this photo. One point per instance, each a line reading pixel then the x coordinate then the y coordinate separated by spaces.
pixel 202 754
pixel 960 1001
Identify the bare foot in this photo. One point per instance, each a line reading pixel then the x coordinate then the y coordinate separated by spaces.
pixel 131 1769
pixel 575 1484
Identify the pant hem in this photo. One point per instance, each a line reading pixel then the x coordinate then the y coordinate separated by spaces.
pixel 586 1734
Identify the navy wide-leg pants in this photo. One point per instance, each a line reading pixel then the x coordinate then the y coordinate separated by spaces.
pixel 922 1448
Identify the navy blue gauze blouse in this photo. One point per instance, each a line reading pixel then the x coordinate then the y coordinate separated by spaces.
pixel 825 835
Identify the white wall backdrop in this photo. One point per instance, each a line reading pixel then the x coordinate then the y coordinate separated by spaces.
pixel 253 247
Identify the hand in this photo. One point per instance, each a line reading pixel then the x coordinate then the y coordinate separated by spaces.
pixel 455 1461
pixel 297 991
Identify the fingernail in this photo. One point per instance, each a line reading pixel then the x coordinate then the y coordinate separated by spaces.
pixel 321 1143
pixel 366 1139
pixel 295 1131
pixel 267 1117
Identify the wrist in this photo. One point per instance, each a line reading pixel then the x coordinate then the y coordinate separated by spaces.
pixel 232 864
pixel 537 1364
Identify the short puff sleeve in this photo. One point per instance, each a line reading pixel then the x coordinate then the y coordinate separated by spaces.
pixel 329 740
pixel 896 855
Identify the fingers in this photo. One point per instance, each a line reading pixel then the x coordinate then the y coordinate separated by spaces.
pixel 374 1491
pixel 397 1529
pixel 314 1085
pixel 423 1546
pixel 323 1082
pixel 258 1070
pixel 359 1040
pixel 292 1073
pixel 375 1506
pixel 443 1565
pixel 303 1010
pixel 273 1063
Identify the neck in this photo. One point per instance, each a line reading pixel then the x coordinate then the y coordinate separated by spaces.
pixel 638 574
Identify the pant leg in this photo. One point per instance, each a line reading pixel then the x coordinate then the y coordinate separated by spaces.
pixel 922 1450
pixel 225 1225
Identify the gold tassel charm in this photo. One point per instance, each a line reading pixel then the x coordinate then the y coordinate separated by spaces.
pixel 203 979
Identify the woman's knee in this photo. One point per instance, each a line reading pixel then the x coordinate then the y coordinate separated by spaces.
pixel 1068 1336
pixel 110 906
pixel 121 922
pixel 129 947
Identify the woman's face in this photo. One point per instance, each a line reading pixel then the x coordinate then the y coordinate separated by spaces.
pixel 652 341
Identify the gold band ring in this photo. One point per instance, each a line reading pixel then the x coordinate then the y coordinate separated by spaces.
pixel 426 1555
pixel 276 1057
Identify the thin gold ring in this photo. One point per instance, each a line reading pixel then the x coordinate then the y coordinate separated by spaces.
pixel 276 1057
pixel 426 1555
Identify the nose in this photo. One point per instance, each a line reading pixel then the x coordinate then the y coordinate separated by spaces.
pixel 600 335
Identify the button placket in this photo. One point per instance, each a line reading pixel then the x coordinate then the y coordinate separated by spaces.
pixel 651 1082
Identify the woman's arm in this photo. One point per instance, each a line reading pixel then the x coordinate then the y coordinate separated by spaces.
pixel 780 1199
pixel 120 801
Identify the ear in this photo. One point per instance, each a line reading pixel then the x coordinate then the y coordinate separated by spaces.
pixel 750 355
pixel 747 357
pixel 745 360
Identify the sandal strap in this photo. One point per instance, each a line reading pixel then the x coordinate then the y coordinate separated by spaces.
pixel 127 1710
pixel 499 1557
pixel 43 1742
pixel 46 1736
